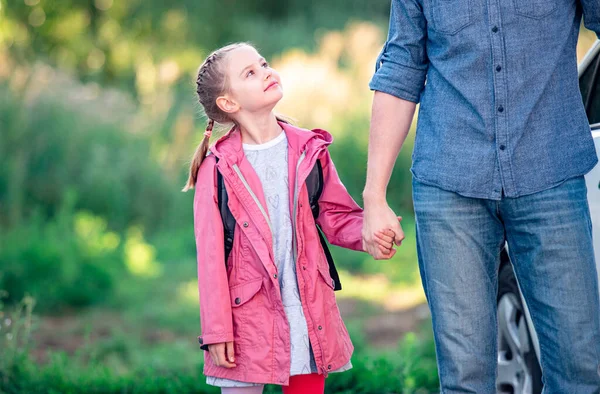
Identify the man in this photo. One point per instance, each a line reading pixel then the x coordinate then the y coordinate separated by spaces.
pixel 501 148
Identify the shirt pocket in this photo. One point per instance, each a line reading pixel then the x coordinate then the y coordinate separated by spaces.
pixel 535 9
pixel 450 16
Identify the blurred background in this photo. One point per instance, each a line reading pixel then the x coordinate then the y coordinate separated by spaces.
pixel 98 122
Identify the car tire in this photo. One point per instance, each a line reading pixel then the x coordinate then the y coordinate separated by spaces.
pixel 519 371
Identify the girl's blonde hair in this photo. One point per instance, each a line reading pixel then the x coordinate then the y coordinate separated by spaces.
pixel 210 84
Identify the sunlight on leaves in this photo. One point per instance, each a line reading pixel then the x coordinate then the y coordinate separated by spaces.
pixel 96 59
pixel 188 292
pixel 37 17
pixel 103 5
pixel 319 87
pixel 140 256
pixel 92 231
pixel 71 26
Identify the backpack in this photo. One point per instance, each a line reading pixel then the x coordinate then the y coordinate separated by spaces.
pixel 314 184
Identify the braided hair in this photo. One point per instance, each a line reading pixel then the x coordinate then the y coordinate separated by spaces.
pixel 210 84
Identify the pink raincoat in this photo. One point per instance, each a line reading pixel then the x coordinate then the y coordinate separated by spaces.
pixel 241 301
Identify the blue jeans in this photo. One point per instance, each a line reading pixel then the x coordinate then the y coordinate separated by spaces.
pixel 549 236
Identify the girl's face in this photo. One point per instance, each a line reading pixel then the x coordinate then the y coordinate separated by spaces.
pixel 253 85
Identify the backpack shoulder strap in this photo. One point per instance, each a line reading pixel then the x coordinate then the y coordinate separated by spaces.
pixel 314 184
pixel 226 216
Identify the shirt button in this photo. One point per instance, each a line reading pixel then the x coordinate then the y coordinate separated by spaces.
pixel 304 267
pixel 500 109
pixel 495 29
pixel 238 301
pixel 502 147
pixel 320 328
pixel 275 276
pixel 329 366
pixel 245 224
pixel 498 68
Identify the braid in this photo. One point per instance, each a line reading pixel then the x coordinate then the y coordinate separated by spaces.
pixel 205 66
pixel 211 82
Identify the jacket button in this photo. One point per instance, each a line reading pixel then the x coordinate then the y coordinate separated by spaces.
pixel 238 301
pixel 304 267
pixel 245 224
pixel 329 366
pixel 275 276
pixel 200 341
pixel 320 328
pixel 333 283
pixel 301 205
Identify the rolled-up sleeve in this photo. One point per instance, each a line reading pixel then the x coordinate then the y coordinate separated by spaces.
pixel 591 15
pixel 401 68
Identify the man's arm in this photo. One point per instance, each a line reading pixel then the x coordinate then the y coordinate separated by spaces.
pixel 390 123
pixel 399 79
pixel 391 118
pixel 591 15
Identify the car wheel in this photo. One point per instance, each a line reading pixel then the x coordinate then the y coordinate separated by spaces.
pixel 518 368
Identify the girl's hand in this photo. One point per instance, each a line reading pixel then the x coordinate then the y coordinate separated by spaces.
pixel 222 354
pixel 385 243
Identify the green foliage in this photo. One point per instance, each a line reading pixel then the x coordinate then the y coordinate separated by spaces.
pixel 49 146
pixel 108 41
pixel 15 329
pixel 68 261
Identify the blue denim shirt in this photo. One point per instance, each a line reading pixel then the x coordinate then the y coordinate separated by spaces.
pixel 501 112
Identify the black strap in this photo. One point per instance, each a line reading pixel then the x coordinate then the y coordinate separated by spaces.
pixel 226 216
pixel 314 184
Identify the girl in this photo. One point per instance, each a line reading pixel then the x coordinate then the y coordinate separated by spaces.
pixel 268 315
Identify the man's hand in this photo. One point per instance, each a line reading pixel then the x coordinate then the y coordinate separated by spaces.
pixel 222 354
pixel 380 220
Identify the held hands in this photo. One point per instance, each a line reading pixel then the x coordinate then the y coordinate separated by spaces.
pixel 385 243
pixel 222 354
pixel 381 230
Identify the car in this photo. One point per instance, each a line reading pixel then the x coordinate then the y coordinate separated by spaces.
pixel 519 370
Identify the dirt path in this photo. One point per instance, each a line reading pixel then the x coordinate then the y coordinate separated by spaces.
pixel 71 332
pixel 385 328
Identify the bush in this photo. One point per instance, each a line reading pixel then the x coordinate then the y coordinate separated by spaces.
pixel 53 142
pixel 70 261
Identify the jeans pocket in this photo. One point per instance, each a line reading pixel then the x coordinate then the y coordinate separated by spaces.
pixel 450 16
pixel 535 9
